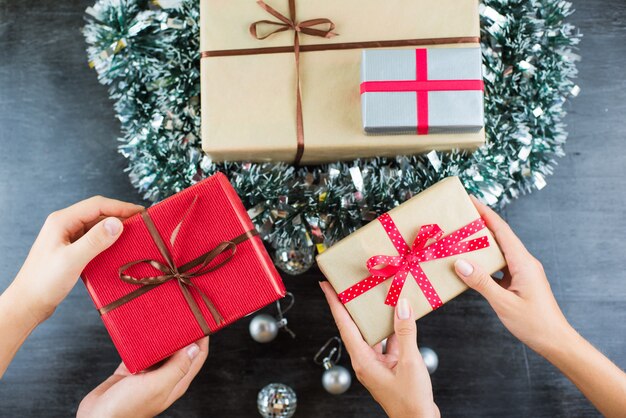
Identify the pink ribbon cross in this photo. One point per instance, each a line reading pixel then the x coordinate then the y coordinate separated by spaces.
pixel 421 86
pixel 408 260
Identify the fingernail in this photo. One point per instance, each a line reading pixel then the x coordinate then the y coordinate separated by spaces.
pixel 113 226
pixel 464 267
pixel 403 309
pixel 193 350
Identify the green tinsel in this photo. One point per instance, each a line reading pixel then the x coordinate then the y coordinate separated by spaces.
pixel 148 55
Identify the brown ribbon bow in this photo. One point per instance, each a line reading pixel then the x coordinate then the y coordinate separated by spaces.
pixel 182 274
pixel 306 27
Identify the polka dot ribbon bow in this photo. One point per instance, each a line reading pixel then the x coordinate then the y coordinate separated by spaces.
pixel 383 267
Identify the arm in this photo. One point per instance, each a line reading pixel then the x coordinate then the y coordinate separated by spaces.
pixel 597 377
pixel 16 324
pixel 526 306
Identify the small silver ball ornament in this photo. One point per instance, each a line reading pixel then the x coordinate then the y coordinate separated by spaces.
pixel 277 400
pixel 263 328
pixel 431 360
pixel 336 380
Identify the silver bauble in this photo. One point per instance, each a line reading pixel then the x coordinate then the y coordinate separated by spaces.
pixel 293 259
pixel 336 380
pixel 276 401
pixel 263 328
pixel 431 360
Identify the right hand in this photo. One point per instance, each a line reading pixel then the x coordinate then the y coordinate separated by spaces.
pixel 522 299
pixel 148 393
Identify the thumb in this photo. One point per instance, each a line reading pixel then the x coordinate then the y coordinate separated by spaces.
pixel 476 278
pixel 177 368
pixel 100 237
pixel 406 331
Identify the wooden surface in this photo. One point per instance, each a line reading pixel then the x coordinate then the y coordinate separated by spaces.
pixel 57 146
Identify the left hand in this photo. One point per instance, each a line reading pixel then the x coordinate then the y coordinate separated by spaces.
pixel 148 393
pixel 69 239
pixel 398 379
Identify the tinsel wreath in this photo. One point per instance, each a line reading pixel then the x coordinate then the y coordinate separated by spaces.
pixel 148 55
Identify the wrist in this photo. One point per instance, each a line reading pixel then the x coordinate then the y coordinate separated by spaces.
pixel 416 411
pixel 27 302
pixel 559 343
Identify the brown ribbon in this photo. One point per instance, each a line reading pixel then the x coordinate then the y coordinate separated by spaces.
pixel 341 46
pixel 306 27
pixel 182 274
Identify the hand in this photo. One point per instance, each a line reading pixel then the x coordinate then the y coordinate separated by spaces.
pixel 68 240
pixel 398 380
pixel 522 299
pixel 149 393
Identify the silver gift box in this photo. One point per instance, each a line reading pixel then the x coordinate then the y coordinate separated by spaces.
pixel 396 112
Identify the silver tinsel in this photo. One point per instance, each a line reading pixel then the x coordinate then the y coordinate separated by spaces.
pixel 148 55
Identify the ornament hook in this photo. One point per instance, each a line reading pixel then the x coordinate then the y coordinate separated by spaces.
pixel 282 321
pixel 334 354
pixel 292 300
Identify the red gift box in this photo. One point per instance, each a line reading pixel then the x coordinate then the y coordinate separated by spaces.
pixel 186 267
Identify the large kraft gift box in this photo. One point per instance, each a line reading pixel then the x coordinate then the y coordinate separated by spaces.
pixel 184 268
pixel 413 246
pixel 248 86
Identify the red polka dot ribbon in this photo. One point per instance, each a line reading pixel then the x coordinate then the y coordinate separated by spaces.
pixel 383 267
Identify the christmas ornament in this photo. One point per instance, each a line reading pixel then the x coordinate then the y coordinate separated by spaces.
pixel 335 379
pixel 431 360
pixel 149 57
pixel 276 400
pixel 293 259
pixel 264 328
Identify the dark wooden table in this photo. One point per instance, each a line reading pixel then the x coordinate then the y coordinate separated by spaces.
pixel 57 146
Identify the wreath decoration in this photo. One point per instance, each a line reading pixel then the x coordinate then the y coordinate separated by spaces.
pixel 147 53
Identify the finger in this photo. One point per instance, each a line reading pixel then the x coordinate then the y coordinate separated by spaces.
pixel 106 385
pixel 378 348
pixel 405 331
pixel 392 346
pixel 86 227
pixel 96 240
pixel 73 218
pixel 476 278
pixel 348 330
pixel 185 361
pixel 182 386
pixel 512 247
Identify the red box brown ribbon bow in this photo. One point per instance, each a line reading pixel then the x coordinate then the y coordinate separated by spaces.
pixel 184 268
